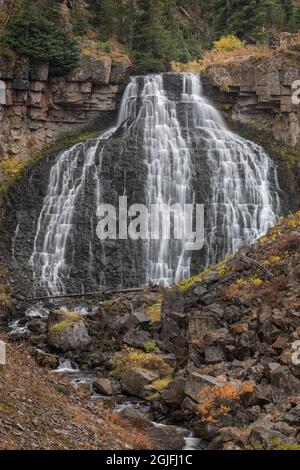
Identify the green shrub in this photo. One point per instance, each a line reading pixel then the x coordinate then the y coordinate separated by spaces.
pixel 106 47
pixel 184 58
pixel 149 347
pixel 132 358
pixel 13 166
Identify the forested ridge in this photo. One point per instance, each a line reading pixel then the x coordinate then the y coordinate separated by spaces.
pixel 153 32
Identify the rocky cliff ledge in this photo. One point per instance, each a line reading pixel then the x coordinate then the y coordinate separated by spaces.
pixel 35 109
pixel 263 91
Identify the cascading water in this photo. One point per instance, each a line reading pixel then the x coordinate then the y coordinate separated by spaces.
pixel 55 224
pixel 171 133
pixel 242 205
pixel 169 171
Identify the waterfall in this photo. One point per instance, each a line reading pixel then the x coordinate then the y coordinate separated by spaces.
pixel 54 228
pixel 172 132
pixel 168 160
pixel 242 205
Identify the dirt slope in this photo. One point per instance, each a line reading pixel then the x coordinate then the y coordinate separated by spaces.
pixel 35 415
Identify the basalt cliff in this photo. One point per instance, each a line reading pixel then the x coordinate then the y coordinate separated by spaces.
pixel 36 109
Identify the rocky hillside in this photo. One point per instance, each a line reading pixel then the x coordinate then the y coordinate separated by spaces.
pixel 218 353
pixel 57 420
pixel 240 384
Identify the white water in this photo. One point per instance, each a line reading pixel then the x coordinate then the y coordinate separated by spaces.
pixel 241 206
pixel 191 441
pixel 67 367
pixel 169 171
pixel 37 311
pixel 16 328
pixel 66 187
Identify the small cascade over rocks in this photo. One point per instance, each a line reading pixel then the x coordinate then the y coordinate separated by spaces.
pixel 169 146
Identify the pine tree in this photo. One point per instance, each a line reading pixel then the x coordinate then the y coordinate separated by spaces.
pixel 105 18
pixel 151 39
pixel 243 18
pixel 80 22
pixel 288 8
pixel 178 48
pixel 41 36
pixel 297 19
pixel 253 20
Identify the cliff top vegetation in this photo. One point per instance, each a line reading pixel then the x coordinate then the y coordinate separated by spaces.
pixel 155 33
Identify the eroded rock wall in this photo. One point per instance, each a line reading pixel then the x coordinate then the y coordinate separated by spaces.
pixel 263 92
pixel 35 109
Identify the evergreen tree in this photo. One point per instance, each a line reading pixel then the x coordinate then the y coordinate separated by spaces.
pixel 41 36
pixel 178 48
pixel 297 19
pixel 151 39
pixel 253 20
pixel 288 8
pixel 80 22
pixel 243 18
pixel 105 18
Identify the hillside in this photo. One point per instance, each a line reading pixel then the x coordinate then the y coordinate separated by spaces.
pixel 31 419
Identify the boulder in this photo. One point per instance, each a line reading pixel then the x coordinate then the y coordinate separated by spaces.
pixel 166 438
pixel 92 358
pixel 135 380
pixel 205 430
pixel 141 318
pixel 84 390
pixel 163 437
pixel 229 438
pixel 174 394
pixel 194 293
pixel 37 326
pixel 262 394
pixel 293 417
pixel 284 383
pixel 197 381
pixel 173 301
pixel 103 387
pixel 67 331
pixel 137 338
pixel 38 341
pixel 214 354
pixel 136 418
pixel 263 434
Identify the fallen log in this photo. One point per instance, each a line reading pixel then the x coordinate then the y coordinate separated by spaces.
pixel 253 262
pixel 104 294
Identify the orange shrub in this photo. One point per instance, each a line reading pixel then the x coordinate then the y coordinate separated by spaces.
pixel 219 401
